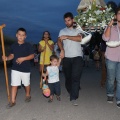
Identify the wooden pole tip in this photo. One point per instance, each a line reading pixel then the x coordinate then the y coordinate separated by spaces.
pixel 2 26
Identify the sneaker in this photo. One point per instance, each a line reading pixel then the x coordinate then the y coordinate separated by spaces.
pixel 118 105
pixel 110 99
pixel 28 99
pixel 10 105
pixel 50 100
pixel 74 102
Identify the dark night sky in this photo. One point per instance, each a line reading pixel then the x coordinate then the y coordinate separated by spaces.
pixel 36 16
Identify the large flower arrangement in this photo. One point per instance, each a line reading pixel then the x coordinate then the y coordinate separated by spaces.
pixel 95 16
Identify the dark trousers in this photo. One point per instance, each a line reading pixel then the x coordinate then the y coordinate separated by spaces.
pixel 72 68
pixel 55 88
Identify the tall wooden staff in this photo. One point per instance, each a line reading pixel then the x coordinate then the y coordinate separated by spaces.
pixel 5 66
pixel 41 80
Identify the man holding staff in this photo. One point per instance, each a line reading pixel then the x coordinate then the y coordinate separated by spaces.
pixel 112 55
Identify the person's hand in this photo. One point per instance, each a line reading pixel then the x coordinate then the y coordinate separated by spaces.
pixel 4 58
pixel 112 21
pixel 20 60
pixel 62 54
pixel 43 49
pixel 82 35
pixel 63 37
pixel 46 41
pixel 44 76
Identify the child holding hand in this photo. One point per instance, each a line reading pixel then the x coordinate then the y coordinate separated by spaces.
pixel 53 77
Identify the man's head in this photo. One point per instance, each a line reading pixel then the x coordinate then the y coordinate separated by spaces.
pixel 21 35
pixel 68 17
pixel 117 13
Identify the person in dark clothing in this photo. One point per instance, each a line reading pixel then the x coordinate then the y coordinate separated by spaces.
pixel 97 55
pixel 86 56
pixel 104 71
pixel 21 53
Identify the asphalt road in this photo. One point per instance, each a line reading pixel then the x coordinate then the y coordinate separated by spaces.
pixel 92 101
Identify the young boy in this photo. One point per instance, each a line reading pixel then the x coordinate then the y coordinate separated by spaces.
pixel 21 53
pixel 53 77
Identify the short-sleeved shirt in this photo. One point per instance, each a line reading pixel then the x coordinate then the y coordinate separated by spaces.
pixel 53 74
pixel 21 50
pixel 112 53
pixel 48 52
pixel 72 48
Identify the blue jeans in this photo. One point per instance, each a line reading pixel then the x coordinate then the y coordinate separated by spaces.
pixel 113 72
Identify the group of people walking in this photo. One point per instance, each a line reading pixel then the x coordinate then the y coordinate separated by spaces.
pixel 72 59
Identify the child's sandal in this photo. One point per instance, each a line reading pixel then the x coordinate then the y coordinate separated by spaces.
pixel 50 100
pixel 58 98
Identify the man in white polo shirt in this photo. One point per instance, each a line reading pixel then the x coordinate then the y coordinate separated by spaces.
pixel 69 44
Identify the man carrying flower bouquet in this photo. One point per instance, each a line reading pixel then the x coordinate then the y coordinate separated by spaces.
pixel 112 54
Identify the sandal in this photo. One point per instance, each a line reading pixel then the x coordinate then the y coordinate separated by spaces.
pixel 10 105
pixel 50 100
pixel 28 99
pixel 58 98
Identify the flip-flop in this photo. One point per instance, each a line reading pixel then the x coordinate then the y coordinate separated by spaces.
pixel 10 105
pixel 50 100
pixel 28 99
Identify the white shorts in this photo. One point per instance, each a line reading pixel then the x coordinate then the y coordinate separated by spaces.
pixel 18 77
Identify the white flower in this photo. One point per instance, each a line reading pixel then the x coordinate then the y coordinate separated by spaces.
pixel 97 12
pixel 78 20
pixel 112 17
pixel 108 9
pixel 106 6
pixel 89 14
pixel 99 6
pixel 89 7
pixel 103 10
pixel 83 18
pixel 103 24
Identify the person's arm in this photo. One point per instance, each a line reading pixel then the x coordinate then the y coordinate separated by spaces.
pixel 50 46
pixel 40 49
pixel 59 62
pixel 77 38
pixel 22 59
pixel 60 45
pixel 45 75
pixel 10 57
pixel 107 32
